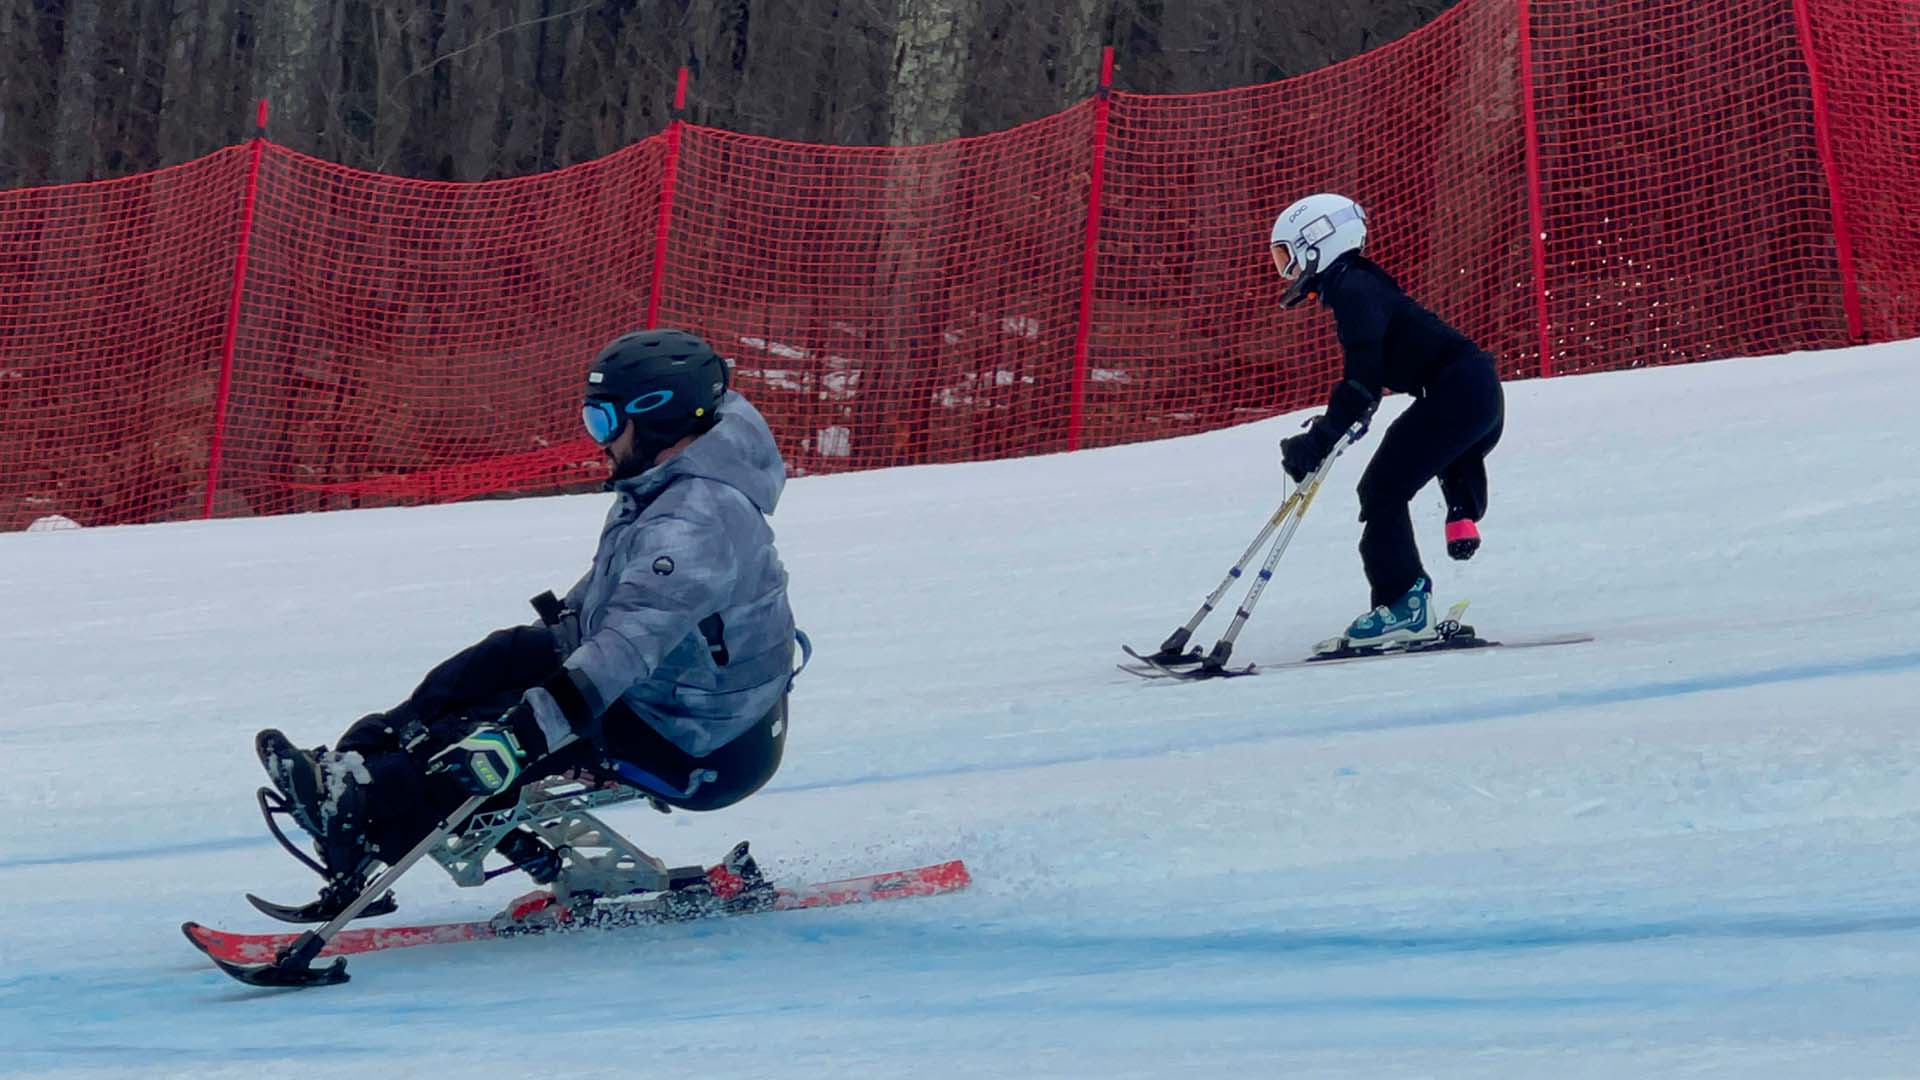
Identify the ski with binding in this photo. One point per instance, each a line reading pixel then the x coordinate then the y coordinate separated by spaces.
pixel 537 913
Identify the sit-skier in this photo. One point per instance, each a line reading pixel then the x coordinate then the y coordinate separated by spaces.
pixel 668 664
pixel 1391 343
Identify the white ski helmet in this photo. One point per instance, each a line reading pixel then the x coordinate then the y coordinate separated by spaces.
pixel 1310 234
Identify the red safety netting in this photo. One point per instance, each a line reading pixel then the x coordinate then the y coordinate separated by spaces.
pixel 889 307
pixel 113 307
pixel 1868 61
pixel 1424 133
pixel 1578 185
pixel 428 341
pixel 1686 212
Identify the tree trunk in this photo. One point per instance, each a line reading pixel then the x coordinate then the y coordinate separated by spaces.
pixel 76 148
pixel 16 42
pixel 1087 27
pixel 220 75
pixel 929 69
pixel 473 85
pixel 183 59
pixel 929 83
pixel 405 139
pixel 150 22
pixel 521 151
pixel 292 68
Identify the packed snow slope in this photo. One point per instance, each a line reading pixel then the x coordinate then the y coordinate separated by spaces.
pixel 1691 847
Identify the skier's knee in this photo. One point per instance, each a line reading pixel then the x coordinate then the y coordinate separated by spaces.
pixel 1379 496
pixel 375 732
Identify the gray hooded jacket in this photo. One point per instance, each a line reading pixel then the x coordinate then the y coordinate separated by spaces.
pixel 684 615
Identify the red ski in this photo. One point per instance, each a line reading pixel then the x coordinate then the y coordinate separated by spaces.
pixel 233 948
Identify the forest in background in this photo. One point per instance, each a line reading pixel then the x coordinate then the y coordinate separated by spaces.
pixel 480 89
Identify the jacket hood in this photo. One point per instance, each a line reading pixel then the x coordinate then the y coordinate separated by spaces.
pixel 738 451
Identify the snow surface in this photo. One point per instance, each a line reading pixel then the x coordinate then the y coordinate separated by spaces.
pixel 1688 848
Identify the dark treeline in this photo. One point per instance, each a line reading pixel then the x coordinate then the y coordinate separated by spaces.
pixel 473 89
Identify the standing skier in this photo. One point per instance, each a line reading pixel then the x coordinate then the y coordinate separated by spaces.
pixel 1391 343
pixel 671 657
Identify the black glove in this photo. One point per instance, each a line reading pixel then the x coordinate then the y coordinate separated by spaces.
pixel 1301 454
pixel 1463 539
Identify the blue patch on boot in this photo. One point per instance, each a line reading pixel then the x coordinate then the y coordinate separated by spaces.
pixel 1410 618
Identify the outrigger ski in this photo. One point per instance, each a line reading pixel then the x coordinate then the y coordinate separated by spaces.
pixel 335 895
pixel 1190 666
pixel 1449 634
pixel 321 910
pixel 1453 635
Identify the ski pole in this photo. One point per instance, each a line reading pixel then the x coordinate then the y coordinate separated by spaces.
pixel 1292 506
pixel 1175 645
pixel 1217 658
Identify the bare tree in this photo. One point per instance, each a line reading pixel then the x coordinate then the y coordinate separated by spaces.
pixel 219 72
pixel 293 62
pixel 182 58
pixel 75 146
pixel 930 77
pixel 21 88
pixel 471 89
pixel 1086 27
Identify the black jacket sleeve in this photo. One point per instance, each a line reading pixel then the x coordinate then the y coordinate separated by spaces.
pixel 1362 308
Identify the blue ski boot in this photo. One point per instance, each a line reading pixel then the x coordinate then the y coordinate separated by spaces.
pixel 1406 621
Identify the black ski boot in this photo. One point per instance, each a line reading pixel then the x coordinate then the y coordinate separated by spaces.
pixel 295 774
pixel 324 791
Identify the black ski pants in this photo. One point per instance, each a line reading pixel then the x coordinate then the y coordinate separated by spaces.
pixel 483 681
pixel 1445 433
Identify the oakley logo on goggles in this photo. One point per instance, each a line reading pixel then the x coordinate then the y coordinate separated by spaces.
pixel 603 418
pixel 1309 238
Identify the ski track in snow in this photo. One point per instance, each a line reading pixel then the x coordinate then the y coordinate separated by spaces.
pixel 1686 848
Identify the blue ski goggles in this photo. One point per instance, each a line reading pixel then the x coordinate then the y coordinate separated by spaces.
pixel 606 419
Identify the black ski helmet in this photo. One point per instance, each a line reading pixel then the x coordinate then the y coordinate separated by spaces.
pixel 666 383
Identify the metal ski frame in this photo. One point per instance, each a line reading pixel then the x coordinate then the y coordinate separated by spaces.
pixel 1286 521
pixel 595 860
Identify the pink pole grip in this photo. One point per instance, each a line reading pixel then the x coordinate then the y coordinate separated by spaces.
pixel 1461 530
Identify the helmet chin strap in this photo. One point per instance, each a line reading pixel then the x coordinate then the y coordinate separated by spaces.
pixel 1301 287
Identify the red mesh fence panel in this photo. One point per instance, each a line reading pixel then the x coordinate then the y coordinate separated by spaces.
pixel 404 341
pixel 889 307
pixel 113 306
pixel 1686 208
pixel 1868 56
pixel 1424 133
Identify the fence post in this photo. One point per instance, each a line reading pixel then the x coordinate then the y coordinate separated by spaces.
pixel 221 396
pixel 1535 216
pixel 1823 141
pixel 1089 260
pixel 667 176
